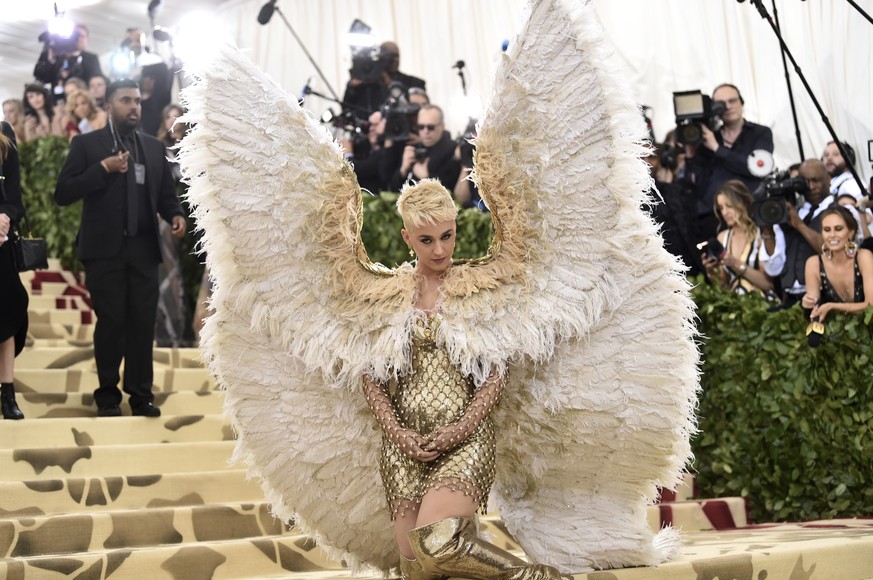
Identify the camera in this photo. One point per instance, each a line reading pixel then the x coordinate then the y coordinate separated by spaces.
pixel 355 127
pixel 368 64
pixel 420 152
pixel 400 116
pixel 60 44
pixel 694 109
pixel 770 199
pixel 669 156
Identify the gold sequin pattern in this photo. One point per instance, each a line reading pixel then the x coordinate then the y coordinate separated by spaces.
pixel 433 394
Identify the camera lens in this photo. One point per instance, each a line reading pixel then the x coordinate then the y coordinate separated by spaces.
pixel 690 134
pixel 772 211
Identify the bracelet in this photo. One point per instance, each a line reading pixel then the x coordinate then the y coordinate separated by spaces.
pixel 743 270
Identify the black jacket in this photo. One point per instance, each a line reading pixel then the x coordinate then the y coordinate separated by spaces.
pixel 709 170
pixel 11 205
pixel 101 231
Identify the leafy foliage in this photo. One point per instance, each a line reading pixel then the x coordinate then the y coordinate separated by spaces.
pixel 784 424
pixel 41 161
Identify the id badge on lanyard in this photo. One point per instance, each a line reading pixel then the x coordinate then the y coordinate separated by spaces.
pixel 139 172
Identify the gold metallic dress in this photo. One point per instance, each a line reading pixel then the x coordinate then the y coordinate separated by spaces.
pixel 435 393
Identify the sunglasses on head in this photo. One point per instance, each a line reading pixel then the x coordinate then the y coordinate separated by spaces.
pixel 428 127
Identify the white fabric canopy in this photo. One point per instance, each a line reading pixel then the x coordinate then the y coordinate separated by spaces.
pixel 670 45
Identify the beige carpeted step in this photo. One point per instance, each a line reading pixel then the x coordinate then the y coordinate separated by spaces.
pixel 255 558
pixel 71 332
pixel 23 537
pixel 58 342
pixel 59 405
pixel 63 317
pixel 97 494
pixel 77 431
pixel 700 515
pixel 47 302
pixel 107 460
pixel 86 381
pixel 71 357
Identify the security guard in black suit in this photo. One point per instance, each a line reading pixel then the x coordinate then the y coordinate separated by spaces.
pixel 124 181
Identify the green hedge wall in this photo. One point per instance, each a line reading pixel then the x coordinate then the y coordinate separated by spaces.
pixel 781 423
pixel 41 161
pixel 784 424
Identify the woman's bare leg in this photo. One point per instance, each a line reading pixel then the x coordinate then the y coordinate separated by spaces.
pixel 404 522
pixel 7 359
pixel 439 504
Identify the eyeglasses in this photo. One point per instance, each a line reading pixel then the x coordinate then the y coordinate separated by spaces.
pixel 428 127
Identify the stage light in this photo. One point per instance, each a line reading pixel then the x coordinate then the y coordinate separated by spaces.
pixel 120 64
pixel 197 38
pixel 61 27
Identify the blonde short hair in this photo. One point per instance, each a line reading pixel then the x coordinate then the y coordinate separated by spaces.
pixel 424 203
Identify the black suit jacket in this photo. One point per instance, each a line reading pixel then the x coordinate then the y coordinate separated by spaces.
pixel 11 204
pixel 101 231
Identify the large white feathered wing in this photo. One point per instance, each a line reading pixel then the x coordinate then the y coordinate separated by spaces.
pixel 587 306
pixel 299 318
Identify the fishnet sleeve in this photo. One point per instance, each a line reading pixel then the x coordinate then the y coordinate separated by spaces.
pixel 486 397
pixel 408 440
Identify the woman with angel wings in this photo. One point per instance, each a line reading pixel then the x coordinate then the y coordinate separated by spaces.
pixel 577 319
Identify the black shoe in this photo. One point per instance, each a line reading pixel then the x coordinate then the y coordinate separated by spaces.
pixel 9 405
pixel 146 410
pixel 114 411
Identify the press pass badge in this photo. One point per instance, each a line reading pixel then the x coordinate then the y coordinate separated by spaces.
pixel 139 171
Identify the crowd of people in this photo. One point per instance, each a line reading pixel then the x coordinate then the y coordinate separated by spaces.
pixel 818 254
pixel 121 134
pixel 713 216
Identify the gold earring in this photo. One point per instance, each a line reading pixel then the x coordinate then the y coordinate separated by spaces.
pixel 851 249
pixel 411 252
pixel 826 252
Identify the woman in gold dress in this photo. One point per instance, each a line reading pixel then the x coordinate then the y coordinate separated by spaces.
pixel 438 450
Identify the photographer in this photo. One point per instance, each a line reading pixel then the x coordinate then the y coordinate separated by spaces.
pixel 675 212
pixel 64 58
pixel 803 232
pixel 430 153
pixel 371 76
pixel 723 155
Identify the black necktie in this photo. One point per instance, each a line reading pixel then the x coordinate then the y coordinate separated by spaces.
pixel 808 219
pixel 132 222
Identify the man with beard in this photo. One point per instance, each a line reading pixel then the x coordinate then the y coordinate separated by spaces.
pixel 124 181
pixel 435 156
pixel 842 181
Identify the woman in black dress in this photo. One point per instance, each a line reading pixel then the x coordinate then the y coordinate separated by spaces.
pixel 13 305
pixel 841 278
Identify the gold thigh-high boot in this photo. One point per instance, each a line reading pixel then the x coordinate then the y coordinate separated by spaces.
pixel 412 570
pixel 452 547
